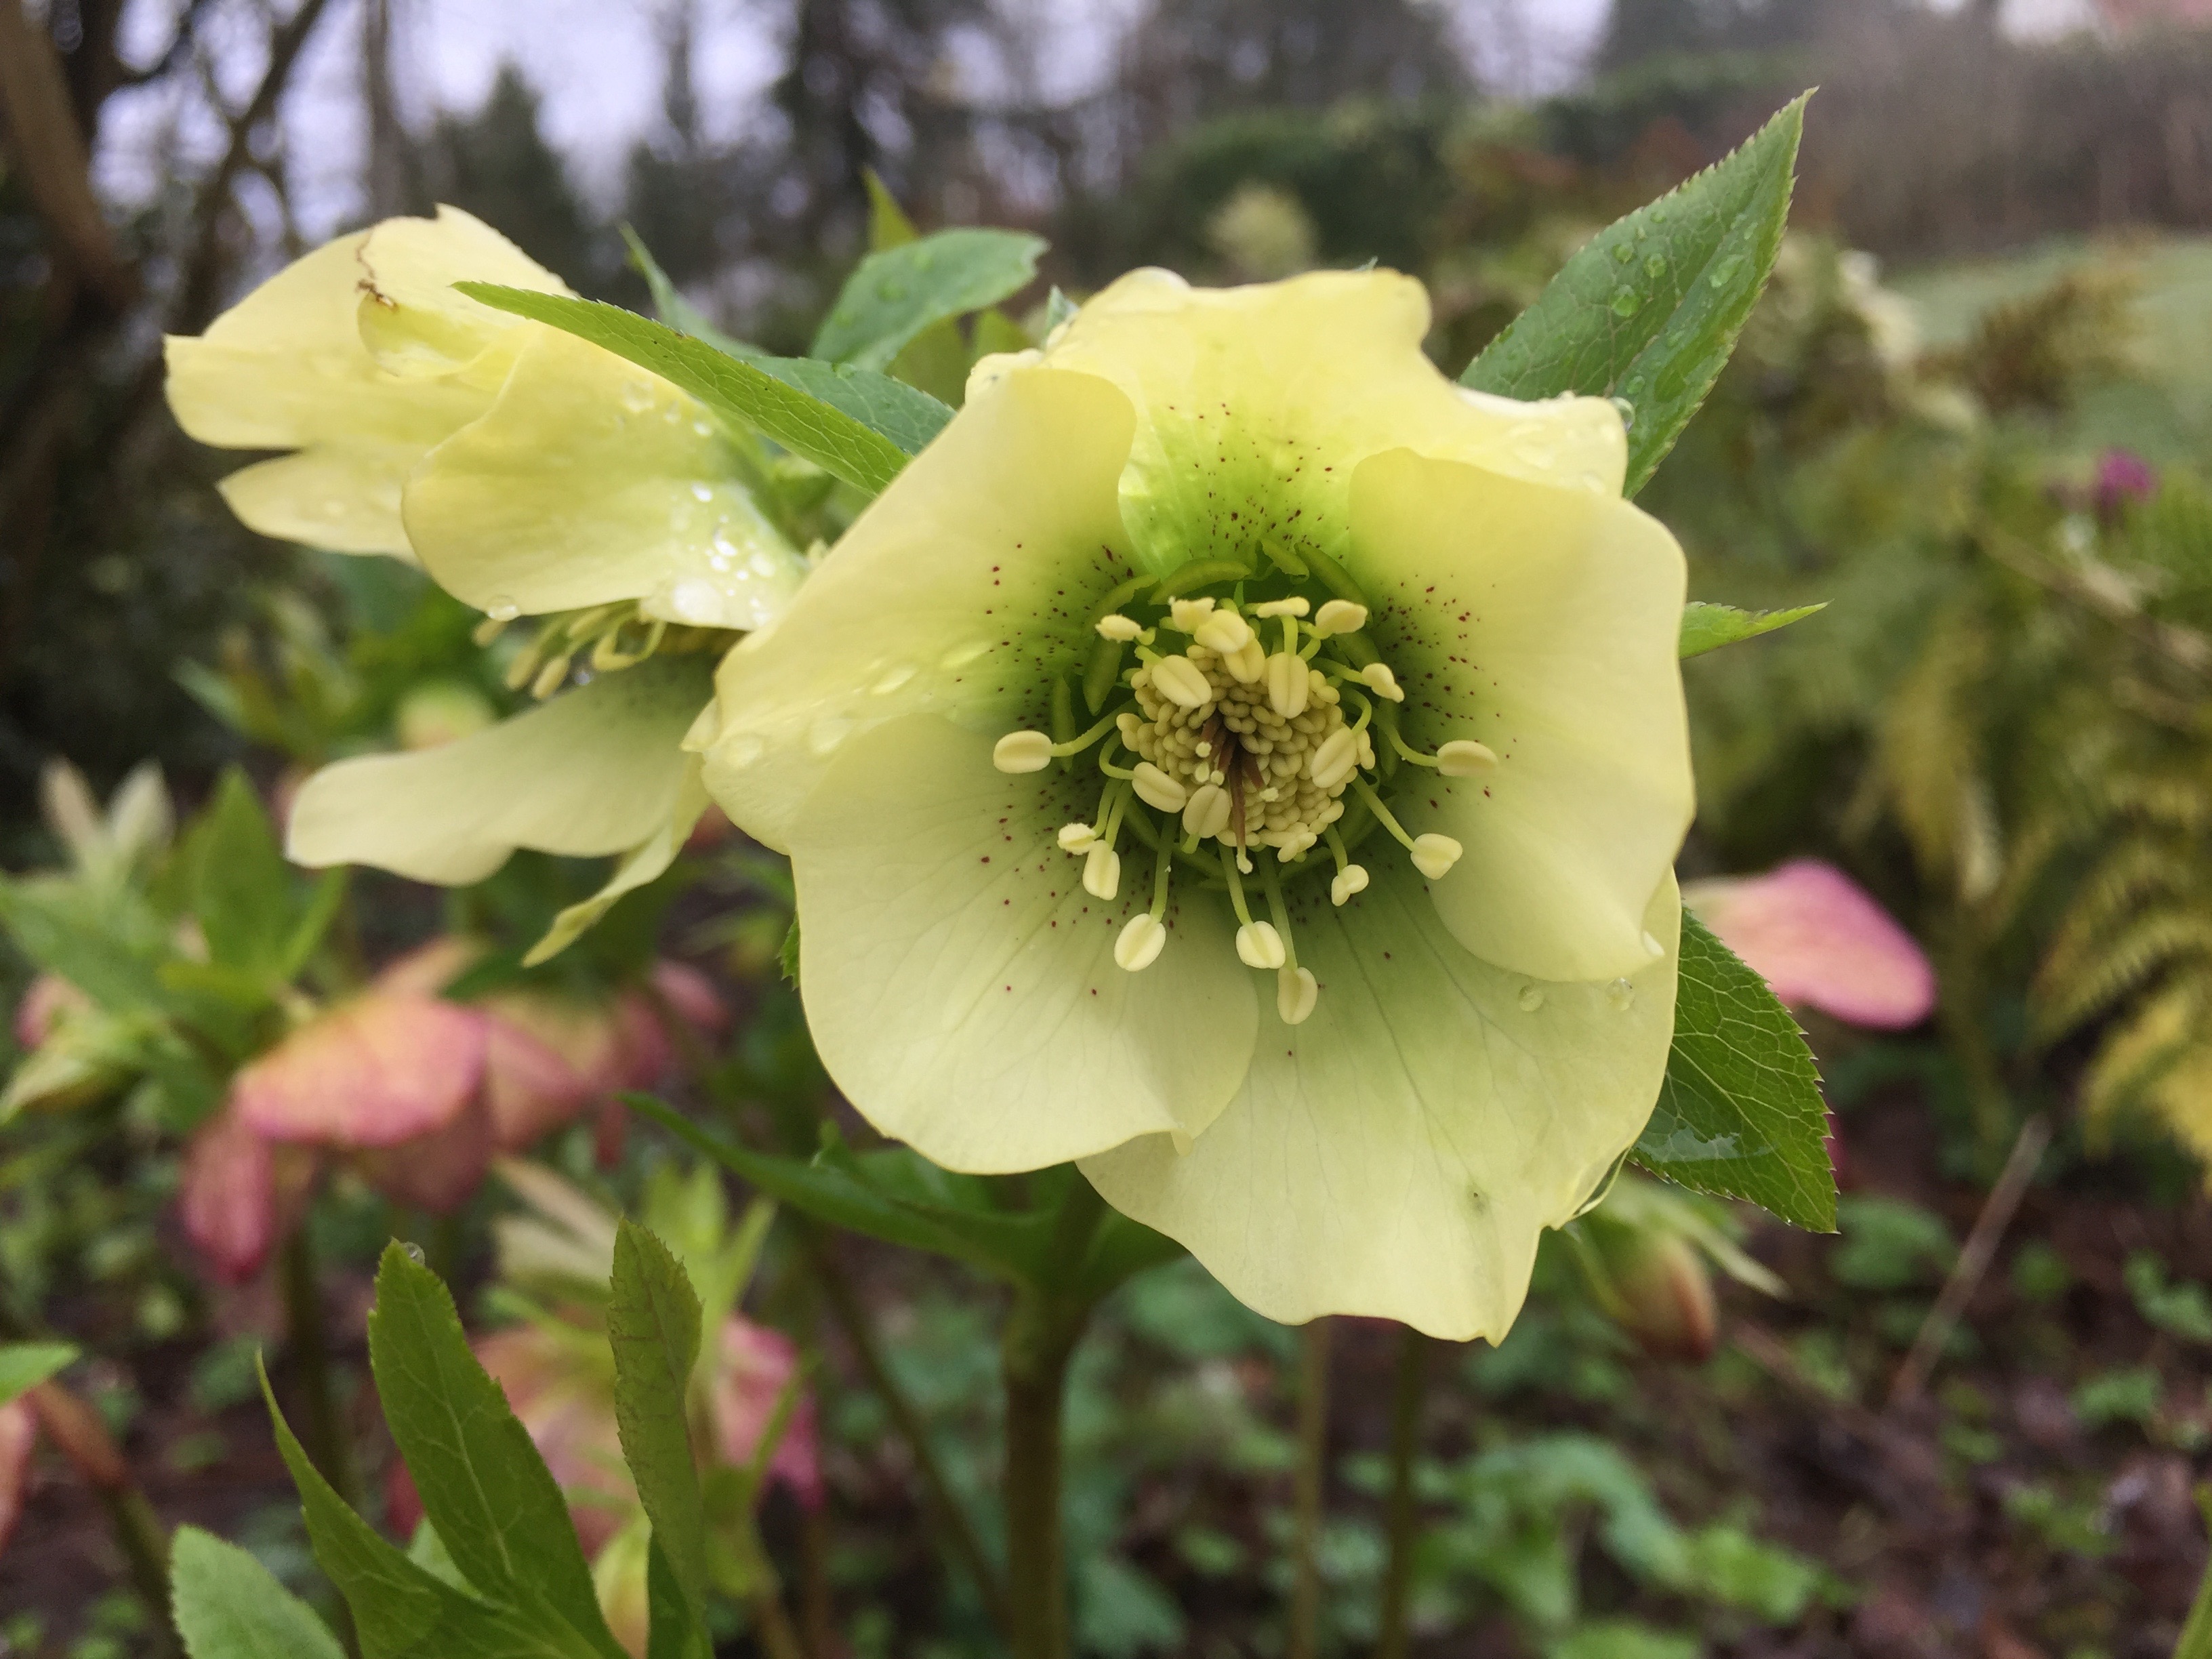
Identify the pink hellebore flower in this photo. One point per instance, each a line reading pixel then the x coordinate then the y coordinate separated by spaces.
pixel 1818 938
pixel 757 1364
pixel 422 1093
pixel 19 1433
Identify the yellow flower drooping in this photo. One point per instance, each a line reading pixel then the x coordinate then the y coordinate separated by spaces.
pixel 1236 758
pixel 530 474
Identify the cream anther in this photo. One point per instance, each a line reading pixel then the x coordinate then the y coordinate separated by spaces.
pixel 1381 681
pixel 1247 662
pixel 1294 845
pixel 1139 944
pixel 1296 993
pixel 1225 631
pixel 1334 761
pixel 1259 945
pixel 1185 616
pixel 1294 607
pixel 1022 751
pixel 1207 813
pixel 1434 855
pixel 1119 627
pixel 1157 789
pixel 1182 682
pixel 1464 758
pixel 1102 872
pixel 1340 617
pixel 1352 878
pixel 1076 837
pixel 1289 685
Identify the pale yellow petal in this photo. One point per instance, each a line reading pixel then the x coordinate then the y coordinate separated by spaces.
pixel 590 480
pixel 962 591
pixel 595 771
pixel 342 498
pixel 1399 1153
pixel 1542 622
pixel 1255 403
pixel 960 983
pixel 641 865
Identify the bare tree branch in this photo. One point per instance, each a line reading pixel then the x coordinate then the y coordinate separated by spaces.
pixel 51 146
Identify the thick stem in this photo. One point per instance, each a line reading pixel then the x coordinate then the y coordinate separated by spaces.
pixel 138 1534
pixel 329 1447
pixel 1037 1348
pixel 1313 1469
pixel 1406 1392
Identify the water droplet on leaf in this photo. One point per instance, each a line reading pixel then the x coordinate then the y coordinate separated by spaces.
pixel 1626 302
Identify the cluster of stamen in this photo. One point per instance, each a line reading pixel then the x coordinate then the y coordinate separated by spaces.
pixel 604 638
pixel 1242 747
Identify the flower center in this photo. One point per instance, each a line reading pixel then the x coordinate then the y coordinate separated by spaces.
pixel 1248 724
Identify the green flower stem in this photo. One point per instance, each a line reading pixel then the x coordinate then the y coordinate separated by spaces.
pixel 75 1430
pixel 1313 1469
pixel 2196 1640
pixel 329 1446
pixel 948 1520
pixel 145 1547
pixel 1038 1341
pixel 1403 1522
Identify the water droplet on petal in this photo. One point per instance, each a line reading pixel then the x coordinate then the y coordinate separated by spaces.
pixel 828 732
pixel 1531 999
pixel 741 751
pixel 702 492
pixel 893 677
pixel 703 428
pixel 637 396
pixel 960 656
pixel 1621 994
pixel 500 608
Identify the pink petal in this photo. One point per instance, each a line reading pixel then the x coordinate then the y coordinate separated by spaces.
pixel 19 1433
pixel 548 1059
pixel 1816 937
pixel 239 1196
pixel 757 1364
pixel 437 1171
pixel 428 969
pixel 692 995
pixel 50 997
pixel 381 1069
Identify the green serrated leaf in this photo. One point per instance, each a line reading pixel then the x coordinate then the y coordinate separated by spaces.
pixel 652 1323
pixel 1709 627
pixel 672 1630
pixel 845 1193
pixel 1651 309
pixel 241 886
pixel 228 1606
pixel 1740 1114
pixel 24 1365
pixel 400 1610
pixel 496 1507
pixel 787 956
pixel 893 294
pixel 679 312
pixel 859 425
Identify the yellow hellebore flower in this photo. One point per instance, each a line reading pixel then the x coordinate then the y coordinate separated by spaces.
pixel 530 473
pixel 1341 945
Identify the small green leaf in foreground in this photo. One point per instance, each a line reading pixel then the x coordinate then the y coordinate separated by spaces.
pixel 896 293
pixel 497 1508
pixel 652 1323
pixel 228 1606
pixel 1650 310
pixel 679 312
pixel 854 423
pixel 1740 1114
pixel 1709 627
